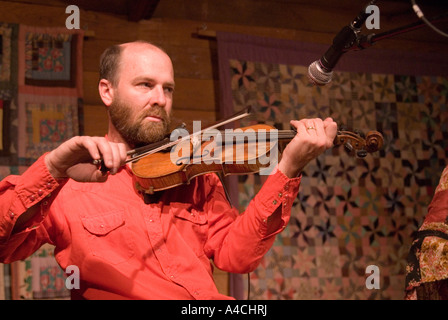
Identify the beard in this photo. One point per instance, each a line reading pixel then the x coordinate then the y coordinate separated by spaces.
pixel 132 127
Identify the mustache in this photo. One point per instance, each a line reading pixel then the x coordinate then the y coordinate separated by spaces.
pixel 157 112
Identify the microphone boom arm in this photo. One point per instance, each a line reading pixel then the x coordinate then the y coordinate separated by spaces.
pixel 365 41
pixel 347 38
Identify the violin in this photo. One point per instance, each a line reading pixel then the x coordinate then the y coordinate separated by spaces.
pixel 173 162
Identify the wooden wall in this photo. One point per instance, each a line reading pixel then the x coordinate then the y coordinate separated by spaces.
pixel 174 26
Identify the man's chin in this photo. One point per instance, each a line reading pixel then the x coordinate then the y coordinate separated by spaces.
pixel 148 140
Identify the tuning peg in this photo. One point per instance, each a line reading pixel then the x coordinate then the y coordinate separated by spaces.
pixel 361 153
pixel 348 146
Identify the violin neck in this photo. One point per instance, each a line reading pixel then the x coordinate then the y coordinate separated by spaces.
pixel 286 134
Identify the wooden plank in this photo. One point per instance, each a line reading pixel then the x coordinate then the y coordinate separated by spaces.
pixel 171 31
pixel 426 43
pixel 188 117
pixel 93 48
pixel 95 120
pixel 221 280
pixel 32 14
pixel 191 62
pixel 90 87
pixel 192 57
pixel 195 94
pixel 105 26
pixel 109 27
pixel 141 9
pixel 315 16
pixel 265 13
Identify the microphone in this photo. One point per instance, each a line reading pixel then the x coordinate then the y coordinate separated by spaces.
pixel 320 71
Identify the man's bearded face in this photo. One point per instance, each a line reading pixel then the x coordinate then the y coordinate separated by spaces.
pixel 134 126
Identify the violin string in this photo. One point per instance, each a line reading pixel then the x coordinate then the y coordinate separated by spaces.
pixel 282 134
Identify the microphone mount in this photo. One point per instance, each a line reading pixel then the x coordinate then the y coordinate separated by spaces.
pixel 350 39
pixel 366 41
pixel 344 40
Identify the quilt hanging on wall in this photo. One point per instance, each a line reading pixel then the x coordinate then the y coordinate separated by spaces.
pixel 40 107
pixel 351 212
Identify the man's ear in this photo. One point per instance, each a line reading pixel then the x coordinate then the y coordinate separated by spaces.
pixel 106 91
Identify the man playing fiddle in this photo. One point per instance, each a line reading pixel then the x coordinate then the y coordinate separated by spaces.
pixel 126 248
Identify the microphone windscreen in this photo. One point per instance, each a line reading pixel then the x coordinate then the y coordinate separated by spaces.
pixel 317 75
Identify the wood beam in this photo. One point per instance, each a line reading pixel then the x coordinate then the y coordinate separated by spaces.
pixel 141 9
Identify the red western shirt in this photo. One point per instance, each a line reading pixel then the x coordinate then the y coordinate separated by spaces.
pixel 127 249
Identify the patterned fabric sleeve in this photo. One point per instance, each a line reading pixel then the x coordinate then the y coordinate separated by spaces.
pixel 443 183
pixel 427 269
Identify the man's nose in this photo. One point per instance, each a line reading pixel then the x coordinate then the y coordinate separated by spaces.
pixel 158 96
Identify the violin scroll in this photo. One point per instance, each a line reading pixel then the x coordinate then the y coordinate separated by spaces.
pixel 356 142
pixel 374 141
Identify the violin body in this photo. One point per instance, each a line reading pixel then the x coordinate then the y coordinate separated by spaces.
pixel 241 151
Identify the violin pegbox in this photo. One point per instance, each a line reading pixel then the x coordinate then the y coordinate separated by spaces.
pixel 357 143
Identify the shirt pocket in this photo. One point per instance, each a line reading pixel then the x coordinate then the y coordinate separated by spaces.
pixel 191 224
pixel 108 236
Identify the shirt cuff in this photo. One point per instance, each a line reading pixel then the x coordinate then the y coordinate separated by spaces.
pixel 278 190
pixel 35 185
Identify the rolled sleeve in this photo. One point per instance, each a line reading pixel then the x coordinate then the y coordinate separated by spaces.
pixel 278 194
pixel 19 193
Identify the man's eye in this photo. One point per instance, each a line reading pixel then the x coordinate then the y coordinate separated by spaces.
pixel 169 89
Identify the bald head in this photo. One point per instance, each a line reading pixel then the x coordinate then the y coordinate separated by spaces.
pixel 112 57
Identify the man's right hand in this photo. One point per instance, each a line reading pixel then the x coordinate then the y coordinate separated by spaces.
pixel 74 158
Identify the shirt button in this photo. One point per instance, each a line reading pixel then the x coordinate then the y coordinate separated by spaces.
pixel 11 214
pixel 48 185
pixel 40 192
pixel 274 202
pixel 32 197
pixel 280 194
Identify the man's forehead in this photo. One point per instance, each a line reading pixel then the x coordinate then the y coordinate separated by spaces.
pixel 141 47
pixel 137 57
pixel 137 53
